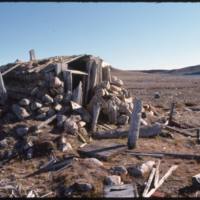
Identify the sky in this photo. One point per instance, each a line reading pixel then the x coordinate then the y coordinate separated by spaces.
pixel 134 36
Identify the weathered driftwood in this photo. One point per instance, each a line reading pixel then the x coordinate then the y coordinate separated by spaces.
pixel 77 95
pixel 148 185
pixel 163 154
pixel 3 91
pixel 135 124
pixel 146 131
pixel 171 112
pixel 102 151
pixel 10 69
pixel 67 76
pixel 106 74
pixel 32 54
pixel 162 180
pixel 183 132
pixel 96 112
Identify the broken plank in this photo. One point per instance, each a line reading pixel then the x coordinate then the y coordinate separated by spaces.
pixel 162 180
pixel 76 72
pixel 121 191
pixel 183 132
pixel 101 151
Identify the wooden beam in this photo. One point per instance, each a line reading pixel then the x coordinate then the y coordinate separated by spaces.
pixel 10 69
pixel 67 76
pixel 96 112
pixel 3 91
pixel 32 55
pixel 134 124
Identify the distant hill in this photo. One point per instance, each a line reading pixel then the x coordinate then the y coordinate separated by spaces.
pixel 191 70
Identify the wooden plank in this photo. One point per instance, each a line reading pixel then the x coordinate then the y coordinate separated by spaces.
pixel 181 131
pixel 121 191
pixel 96 112
pixel 3 91
pixel 10 69
pixel 106 76
pixel 76 72
pixel 171 112
pixel 134 124
pixel 67 76
pixel 32 55
pixel 89 69
pixel 163 154
pixel 149 182
pixel 162 180
pixel 77 95
pixel 58 68
pixel 101 151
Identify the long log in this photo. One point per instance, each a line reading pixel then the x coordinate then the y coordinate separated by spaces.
pixel 144 132
pixel 135 124
pixel 163 154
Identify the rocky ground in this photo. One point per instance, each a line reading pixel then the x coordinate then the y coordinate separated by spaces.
pixel 91 173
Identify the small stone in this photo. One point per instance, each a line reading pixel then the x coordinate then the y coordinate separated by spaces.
pixel 34 91
pixel 57 82
pixel 41 116
pixel 142 169
pixel 22 131
pixel 123 120
pixel 20 112
pixel 35 105
pixel 81 124
pixel 113 180
pixel 117 81
pixel 58 107
pixel 119 170
pixel 93 161
pixel 82 186
pixel 70 126
pixel 51 112
pixel 156 95
pixel 60 120
pixel 58 98
pixel 43 110
pixel 47 99
pixel 3 143
pixel 66 146
pixel 24 102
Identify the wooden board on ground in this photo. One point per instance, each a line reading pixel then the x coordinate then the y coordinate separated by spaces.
pixel 102 151
pixel 122 191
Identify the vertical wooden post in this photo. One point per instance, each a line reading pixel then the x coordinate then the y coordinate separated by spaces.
pixel 89 68
pixel 96 112
pixel 3 91
pixel 94 76
pixel 58 68
pixel 171 113
pixel 32 54
pixel 134 124
pixel 67 76
pixel 77 95
pixel 106 76
pixel 198 136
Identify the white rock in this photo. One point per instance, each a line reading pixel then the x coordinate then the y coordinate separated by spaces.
pixel 47 99
pixel 113 180
pixel 35 105
pixel 58 107
pixel 93 161
pixel 20 112
pixel 24 102
pixel 81 124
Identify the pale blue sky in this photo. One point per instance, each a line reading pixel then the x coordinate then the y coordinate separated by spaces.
pixel 126 35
